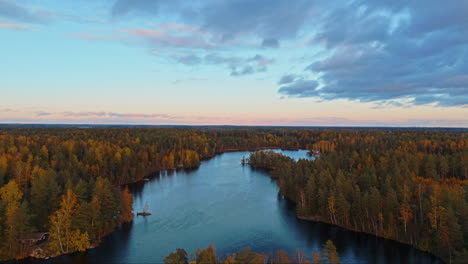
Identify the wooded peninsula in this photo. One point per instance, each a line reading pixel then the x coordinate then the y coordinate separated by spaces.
pixel 69 183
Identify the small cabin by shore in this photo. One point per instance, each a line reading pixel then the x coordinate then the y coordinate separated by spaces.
pixel 33 238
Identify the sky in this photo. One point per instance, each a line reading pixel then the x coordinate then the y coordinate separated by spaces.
pixel 235 62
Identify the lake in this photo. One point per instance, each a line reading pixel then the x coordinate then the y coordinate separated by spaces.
pixel 233 207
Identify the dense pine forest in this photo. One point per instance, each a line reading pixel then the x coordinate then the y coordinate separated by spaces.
pixel 407 185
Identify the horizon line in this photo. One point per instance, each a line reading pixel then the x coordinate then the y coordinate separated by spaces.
pixel 220 125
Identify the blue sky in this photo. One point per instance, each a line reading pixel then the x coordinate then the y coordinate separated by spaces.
pixel 239 62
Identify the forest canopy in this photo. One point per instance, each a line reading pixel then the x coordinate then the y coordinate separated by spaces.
pixel 404 186
pixel 70 182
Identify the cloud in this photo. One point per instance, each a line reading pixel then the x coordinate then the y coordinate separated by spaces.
pixel 144 7
pixel 269 20
pixel 246 70
pixel 13 11
pixel 435 123
pixel 261 60
pixel 264 18
pixel 238 66
pixel 368 50
pixel 162 36
pixel 13 26
pixel 189 59
pixel 391 50
pixel 173 35
pixel 401 103
pixel 371 50
pixel 184 28
pixel 340 121
pixel 270 43
pixel 289 78
pixel 7 110
pixel 84 114
pixel 300 88
pixel 88 36
pixel 110 115
pixel 41 113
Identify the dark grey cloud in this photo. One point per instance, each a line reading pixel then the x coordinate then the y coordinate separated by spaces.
pixel 392 50
pixel 375 50
pixel 286 79
pixel 265 18
pixel 238 66
pixel 300 88
pixel 12 11
pixel 269 20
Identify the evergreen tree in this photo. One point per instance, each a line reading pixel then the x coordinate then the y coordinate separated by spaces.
pixel 105 205
pixel 126 201
pixel 330 254
pixel 45 197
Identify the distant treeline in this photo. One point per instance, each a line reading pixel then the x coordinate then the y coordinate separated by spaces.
pixel 67 181
pixel 407 186
pixel 328 255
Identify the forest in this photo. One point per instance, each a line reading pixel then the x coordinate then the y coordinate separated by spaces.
pixel 328 255
pixel 69 182
pixel 408 185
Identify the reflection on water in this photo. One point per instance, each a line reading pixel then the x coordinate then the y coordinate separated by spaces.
pixel 234 207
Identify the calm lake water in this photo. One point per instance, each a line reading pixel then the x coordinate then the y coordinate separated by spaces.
pixel 233 207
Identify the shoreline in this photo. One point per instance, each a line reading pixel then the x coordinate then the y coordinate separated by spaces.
pixel 319 219
pixel 34 257
pixel 316 219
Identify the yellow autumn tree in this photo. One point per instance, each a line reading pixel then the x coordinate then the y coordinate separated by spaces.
pixel 11 195
pixel 405 214
pixel 63 237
